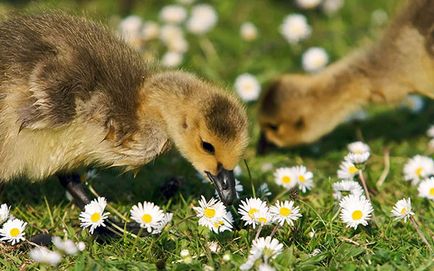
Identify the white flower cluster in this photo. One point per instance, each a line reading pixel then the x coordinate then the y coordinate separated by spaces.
pixel 12 230
pixel 170 31
pixel 418 168
pixel 289 177
pixel 44 255
pixel 147 214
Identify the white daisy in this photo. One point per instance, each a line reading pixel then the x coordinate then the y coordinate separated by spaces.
pixel 285 177
pixel 332 6
pixel 158 228
pixel 251 259
pixel 295 28
pixel 357 158
pixel 308 4
pixel 173 14
pixel 148 215
pixel 402 209
pixel 150 30
pixel 351 187
pixel 268 246
pixel 4 213
pixel 222 223
pixel 67 246
pixel 81 246
pixel 210 212
pixel 179 45
pixel 203 19
pixel 247 87
pixel 285 212
pixel 264 217
pixel 249 210
pixel 418 168
pixel 426 188
pixel 13 231
pixel 248 31
pixel 314 59
pixel 358 147
pixel 356 210
pixel 304 178
pixel 214 247
pixel 93 215
pixel 184 253
pixel 430 131
pixel 172 59
pixel 379 17
pixel 130 30
pixel 170 32
pixel 46 256
pixel 347 170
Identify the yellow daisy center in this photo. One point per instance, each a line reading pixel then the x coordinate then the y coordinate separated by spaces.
pixel 431 191
pixel 352 170
pixel 286 179
pixel 357 214
pixel 147 218
pixel 403 211
pixel 209 212
pixel 14 232
pixel 262 220
pixel 252 212
pixel 95 217
pixel 301 178
pixel 285 211
pixel 218 224
pixel 419 171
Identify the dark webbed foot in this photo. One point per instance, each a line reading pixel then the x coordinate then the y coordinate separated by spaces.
pixel 73 185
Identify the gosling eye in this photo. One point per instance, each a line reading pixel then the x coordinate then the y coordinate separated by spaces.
pixel 299 124
pixel 208 147
pixel 273 127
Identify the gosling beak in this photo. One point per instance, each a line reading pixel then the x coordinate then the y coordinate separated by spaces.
pixel 225 185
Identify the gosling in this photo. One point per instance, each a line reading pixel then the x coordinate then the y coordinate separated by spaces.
pixel 299 109
pixel 72 94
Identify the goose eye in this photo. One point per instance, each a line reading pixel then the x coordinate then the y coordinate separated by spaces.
pixel 273 127
pixel 208 147
pixel 299 124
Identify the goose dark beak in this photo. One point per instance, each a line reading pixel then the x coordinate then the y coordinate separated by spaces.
pixel 224 183
pixel 263 145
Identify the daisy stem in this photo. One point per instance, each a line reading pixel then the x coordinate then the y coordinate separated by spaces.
pixel 258 232
pixel 362 179
pixel 250 178
pixel 274 230
pixel 421 235
pixel 386 168
pixel 109 207
pixel 281 194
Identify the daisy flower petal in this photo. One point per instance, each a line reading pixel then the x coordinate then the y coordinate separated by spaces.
pixel 147 214
pixel 426 188
pixel 13 231
pixel 402 209
pixel 356 210
pixel 285 212
pixel 93 215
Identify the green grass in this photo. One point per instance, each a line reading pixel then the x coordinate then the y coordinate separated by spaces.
pixel 389 246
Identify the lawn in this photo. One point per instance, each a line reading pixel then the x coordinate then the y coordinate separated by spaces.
pixel 220 56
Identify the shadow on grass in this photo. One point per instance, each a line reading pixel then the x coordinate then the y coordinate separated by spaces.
pixel 151 184
pixel 392 126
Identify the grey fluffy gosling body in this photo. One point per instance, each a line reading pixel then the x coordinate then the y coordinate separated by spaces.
pixel 73 94
pixel 299 109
